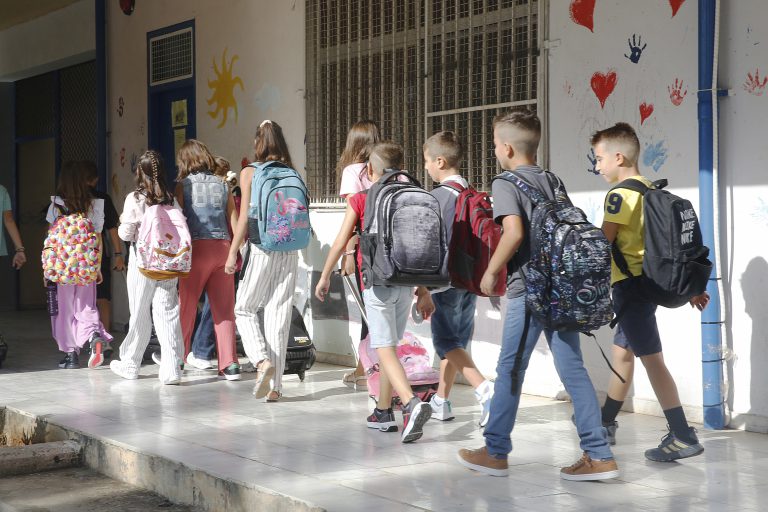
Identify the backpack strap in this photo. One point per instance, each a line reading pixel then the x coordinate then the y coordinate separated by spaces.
pixel 263 165
pixel 531 192
pixel 641 188
pixel 393 174
pixel 453 185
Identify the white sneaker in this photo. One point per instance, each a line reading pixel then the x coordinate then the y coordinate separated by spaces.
pixel 119 368
pixel 442 412
pixel 200 364
pixel 484 398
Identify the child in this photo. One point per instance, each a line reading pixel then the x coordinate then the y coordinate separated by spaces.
pixel 19 257
pixel 77 321
pixel 454 318
pixel 143 292
pixel 267 280
pixel 516 138
pixel 360 139
pixel 209 209
pixel 617 150
pixel 387 309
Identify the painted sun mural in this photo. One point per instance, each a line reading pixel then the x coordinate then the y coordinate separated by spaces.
pixel 223 89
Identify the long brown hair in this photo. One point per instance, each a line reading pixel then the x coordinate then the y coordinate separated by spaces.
pixel 73 188
pixel 194 156
pixel 360 138
pixel 269 144
pixel 150 179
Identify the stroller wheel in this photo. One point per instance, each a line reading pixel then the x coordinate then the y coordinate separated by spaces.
pixel 301 376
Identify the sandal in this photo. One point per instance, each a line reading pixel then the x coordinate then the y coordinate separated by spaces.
pixel 361 383
pixel 273 396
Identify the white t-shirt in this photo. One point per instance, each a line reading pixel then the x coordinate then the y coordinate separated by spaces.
pixel 130 219
pixel 95 212
pixel 354 179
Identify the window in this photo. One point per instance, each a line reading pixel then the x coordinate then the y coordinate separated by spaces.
pixel 415 67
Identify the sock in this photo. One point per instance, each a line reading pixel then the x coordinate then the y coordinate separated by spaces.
pixel 438 400
pixel 679 425
pixel 611 409
pixel 483 389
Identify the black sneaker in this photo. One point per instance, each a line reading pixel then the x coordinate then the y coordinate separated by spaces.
pixel 232 372
pixel 415 415
pixel 672 448
pixel 383 420
pixel 96 357
pixel 71 361
pixel 610 428
pixel 108 350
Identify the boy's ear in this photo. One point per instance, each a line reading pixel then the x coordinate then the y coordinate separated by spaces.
pixel 369 170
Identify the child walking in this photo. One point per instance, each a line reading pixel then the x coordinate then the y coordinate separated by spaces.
pixel 616 151
pixel 387 309
pixel 77 321
pixel 454 318
pixel 267 279
pixel 209 209
pixel 144 293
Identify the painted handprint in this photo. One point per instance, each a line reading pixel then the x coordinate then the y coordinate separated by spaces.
pixel 635 50
pixel 753 85
pixel 655 155
pixel 592 161
pixel 676 93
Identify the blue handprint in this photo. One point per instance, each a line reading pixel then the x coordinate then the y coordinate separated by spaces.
pixel 635 49
pixel 593 161
pixel 655 155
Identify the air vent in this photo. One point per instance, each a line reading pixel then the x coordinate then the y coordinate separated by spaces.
pixel 171 57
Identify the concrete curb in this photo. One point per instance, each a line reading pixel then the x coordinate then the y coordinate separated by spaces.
pixel 33 458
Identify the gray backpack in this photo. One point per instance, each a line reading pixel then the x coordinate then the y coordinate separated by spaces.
pixel 403 240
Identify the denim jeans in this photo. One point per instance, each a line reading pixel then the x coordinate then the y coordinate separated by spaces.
pixel 453 320
pixel 204 339
pixel 566 353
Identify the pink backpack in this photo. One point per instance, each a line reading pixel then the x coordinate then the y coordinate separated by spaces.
pixel 164 245
pixel 71 252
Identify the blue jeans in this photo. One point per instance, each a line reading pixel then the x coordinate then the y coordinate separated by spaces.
pixel 453 320
pixel 204 339
pixel 570 367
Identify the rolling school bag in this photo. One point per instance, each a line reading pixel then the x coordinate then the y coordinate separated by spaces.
pixel 403 240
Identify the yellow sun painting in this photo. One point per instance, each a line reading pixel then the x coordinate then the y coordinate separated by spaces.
pixel 223 89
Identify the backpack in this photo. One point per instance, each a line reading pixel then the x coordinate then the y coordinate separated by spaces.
pixel 568 280
pixel 163 244
pixel 71 252
pixel 403 241
pixel 278 216
pixel 675 263
pixel 474 238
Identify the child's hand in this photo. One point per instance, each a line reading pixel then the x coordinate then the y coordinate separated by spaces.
pixel 231 265
pixel 700 301
pixel 321 290
pixel 488 283
pixel 99 277
pixel 348 265
pixel 119 263
pixel 19 259
pixel 424 304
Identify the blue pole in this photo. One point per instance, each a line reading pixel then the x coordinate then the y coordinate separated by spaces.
pixel 711 353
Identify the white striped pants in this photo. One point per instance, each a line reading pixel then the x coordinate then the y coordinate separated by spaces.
pixel 268 282
pixel 163 297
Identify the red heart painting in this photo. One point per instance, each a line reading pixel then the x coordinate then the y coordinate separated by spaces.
pixel 675 4
pixel 603 85
pixel 582 13
pixel 646 109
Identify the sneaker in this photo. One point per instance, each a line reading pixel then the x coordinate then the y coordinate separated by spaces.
pixel 382 420
pixel 672 448
pixel 415 415
pixel 610 428
pixel 443 411
pixel 480 460
pixel 71 361
pixel 485 404
pixel 200 364
pixel 273 396
pixel 119 368
pixel 107 351
pixel 157 359
pixel 97 347
pixel 231 372
pixel 247 367
pixel 588 469
pixel 264 373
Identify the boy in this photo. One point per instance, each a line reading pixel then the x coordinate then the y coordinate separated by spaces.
pixel 516 138
pixel 454 318
pixel 19 257
pixel 387 310
pixel 616 151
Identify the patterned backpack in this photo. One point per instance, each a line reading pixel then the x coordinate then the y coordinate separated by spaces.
pixel 164 245
pixel 568 281
pixel 71 252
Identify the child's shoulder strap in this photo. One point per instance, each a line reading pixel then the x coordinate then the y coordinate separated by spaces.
pixel 636 185
pixel 532 193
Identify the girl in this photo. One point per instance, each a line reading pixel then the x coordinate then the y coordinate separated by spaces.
pixel 352 167
pixel 77 321
pixel 144 292
pixel 267 280
pixel 209 208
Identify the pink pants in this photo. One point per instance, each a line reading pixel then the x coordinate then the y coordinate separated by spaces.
pixel 78 317
pixel 208 258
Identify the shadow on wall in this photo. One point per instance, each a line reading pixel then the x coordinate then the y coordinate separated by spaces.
pixel 754 283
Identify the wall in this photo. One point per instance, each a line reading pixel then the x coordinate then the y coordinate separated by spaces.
pixel 8 180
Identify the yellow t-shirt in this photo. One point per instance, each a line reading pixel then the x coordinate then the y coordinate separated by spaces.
pixel 625 208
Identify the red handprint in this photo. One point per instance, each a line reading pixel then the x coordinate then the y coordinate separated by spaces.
pixel 753 85
pixel 675 92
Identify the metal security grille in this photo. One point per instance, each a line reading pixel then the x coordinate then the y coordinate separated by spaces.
pixel 78 112
pixel 170 57
pixel 416 67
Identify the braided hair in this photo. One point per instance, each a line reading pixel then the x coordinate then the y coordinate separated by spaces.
pixel 150 179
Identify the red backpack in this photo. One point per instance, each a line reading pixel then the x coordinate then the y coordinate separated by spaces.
pixel 475 236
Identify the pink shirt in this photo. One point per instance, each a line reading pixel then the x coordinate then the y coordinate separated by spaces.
pixel 354 179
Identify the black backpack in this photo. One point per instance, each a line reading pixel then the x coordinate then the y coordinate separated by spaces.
pixel 568 278
pixel 403 241
pixel 675 263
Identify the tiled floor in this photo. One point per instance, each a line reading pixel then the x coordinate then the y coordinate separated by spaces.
pixel 314 445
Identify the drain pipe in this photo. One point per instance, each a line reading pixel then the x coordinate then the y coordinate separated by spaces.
pixel 711 322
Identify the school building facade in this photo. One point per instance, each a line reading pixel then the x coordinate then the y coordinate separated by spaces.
pixel 105 80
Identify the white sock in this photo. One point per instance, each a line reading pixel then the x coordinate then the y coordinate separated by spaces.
pixel 438 400
pixel 483 389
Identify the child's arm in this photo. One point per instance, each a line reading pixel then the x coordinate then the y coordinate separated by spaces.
pixel 119 263
pixel 231 211
pixel 610 230
pixel 179 193
pixel 240 228
pixel 511 238
pixel 19 258
pixel 424 303
pixel 345 233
